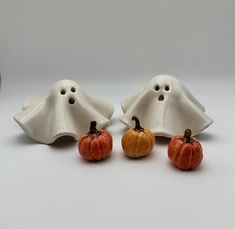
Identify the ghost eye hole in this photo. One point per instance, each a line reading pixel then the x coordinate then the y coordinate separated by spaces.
pixel 157 88
pixel 167 87
pixel 73 89
pixel 71 100
pixel 63 92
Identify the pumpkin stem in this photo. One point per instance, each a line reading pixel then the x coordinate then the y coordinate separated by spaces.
pixel 187 136
pixel 137 124
pixel 93 129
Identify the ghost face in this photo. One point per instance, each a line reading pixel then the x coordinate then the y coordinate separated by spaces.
pixel 165 87
pixel 66 90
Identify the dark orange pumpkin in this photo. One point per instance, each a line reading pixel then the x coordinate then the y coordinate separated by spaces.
pixel 96 144
pixel 185 152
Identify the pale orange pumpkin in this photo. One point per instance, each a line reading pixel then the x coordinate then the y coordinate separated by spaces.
pixel 137 142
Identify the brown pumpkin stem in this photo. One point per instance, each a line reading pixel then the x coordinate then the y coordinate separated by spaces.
pixel 187 136
pixel 93 129
pixel 137 124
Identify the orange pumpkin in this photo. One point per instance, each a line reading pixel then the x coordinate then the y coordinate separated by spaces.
pixel 185 152
pixel 137 142
pixel 96 144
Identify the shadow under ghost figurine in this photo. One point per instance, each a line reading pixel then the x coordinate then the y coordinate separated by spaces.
pixel 65 111
pixel 166 107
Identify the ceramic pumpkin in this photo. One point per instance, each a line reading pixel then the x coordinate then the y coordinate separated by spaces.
pixel 137 142
pixel 185 152
pixel 96 144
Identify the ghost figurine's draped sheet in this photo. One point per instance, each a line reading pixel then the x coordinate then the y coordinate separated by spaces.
pixel 65 111
pixel 166 107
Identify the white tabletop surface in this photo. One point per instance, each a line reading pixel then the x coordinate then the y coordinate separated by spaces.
pixel 52 187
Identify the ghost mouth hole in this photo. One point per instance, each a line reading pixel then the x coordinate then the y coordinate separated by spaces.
pixel 73 89
pixel 71 100
pixel 63 92
pixel 161 98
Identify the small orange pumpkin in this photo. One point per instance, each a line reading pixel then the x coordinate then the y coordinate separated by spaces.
pixel 137 142
pixel 96 144
pixel 185 152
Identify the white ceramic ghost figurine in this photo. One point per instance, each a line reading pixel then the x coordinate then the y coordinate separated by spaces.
pixel 166 107
pixel 65 111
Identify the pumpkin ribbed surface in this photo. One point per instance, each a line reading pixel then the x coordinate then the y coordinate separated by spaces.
pixel 185 155
pixel 137 142
pixel 96 145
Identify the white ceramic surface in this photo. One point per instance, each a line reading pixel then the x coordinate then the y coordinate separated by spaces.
pixel 65 111
pixel 166 107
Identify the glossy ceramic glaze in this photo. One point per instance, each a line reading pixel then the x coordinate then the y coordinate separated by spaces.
pixel 96 145
pixel 137 142
pixel 65 111
pixel 185 152
pixel 166 107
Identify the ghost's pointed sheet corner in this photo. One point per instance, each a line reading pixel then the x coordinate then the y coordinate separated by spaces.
pixel 166 107
pixel 65 111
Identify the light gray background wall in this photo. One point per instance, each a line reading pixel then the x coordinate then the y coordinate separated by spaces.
pixel 117 38
pixel 113 48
